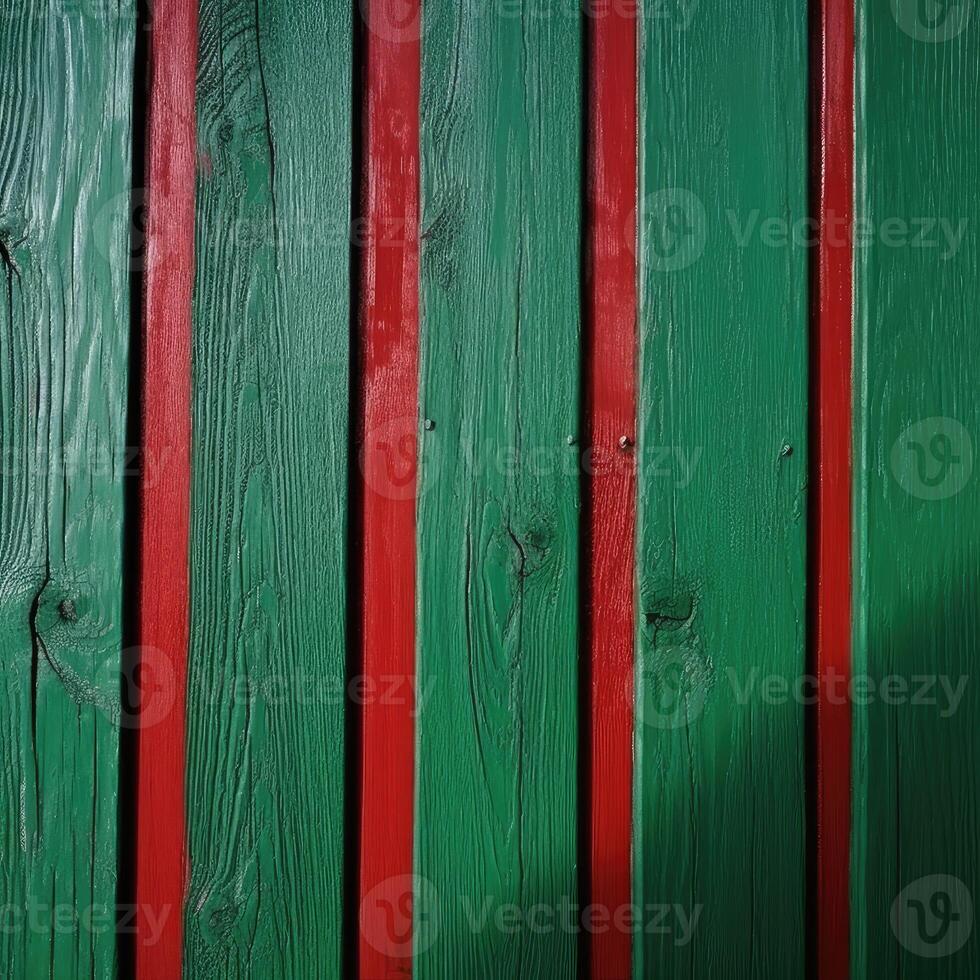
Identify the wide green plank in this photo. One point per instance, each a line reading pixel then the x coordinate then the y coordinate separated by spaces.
pixel 719 779
pixel 65 169
pixel 498 518
pixel 915 874
pixel 269 509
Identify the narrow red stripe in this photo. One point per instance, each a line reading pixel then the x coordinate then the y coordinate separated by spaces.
pixel 389 319
pixel 612 399
pixel 161 866
pixel 835 173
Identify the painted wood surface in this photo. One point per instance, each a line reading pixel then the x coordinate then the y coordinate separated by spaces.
pixel 389 463
pixel 611 474
pixel 917 551
pixel 488 566
pixel 831 529
pixel 269 519
pixel 498 519
pixel 65 115
pixel 720 778
pixel 168 281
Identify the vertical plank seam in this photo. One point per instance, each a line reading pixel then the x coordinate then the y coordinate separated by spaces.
pixel 354 565
pixel 129 660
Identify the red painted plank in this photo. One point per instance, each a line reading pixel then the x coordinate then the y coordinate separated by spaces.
pixel 832 448
pixel 161 866
pixel 612 291
pixel 390 323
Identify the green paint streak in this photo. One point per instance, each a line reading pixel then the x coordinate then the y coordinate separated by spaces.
pixel 269 513
pixel 917 547
pixel 498 516
pixel 719 804
pixel 65 94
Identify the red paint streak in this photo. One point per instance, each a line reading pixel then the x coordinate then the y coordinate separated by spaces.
pixel 161 863
pixel 835 173
pixel 612 395
pixel 390 324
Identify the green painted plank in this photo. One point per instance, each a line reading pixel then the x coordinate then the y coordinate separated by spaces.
pixel 65 174
pixel 719 836
pixel 498 515
pixel 269 510
pixel 916 849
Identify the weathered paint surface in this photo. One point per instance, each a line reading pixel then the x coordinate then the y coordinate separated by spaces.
pixel 917 551
pixel 498 519
pixel 718 803
pixel 65 115
pixel 269 508
pixel 719 792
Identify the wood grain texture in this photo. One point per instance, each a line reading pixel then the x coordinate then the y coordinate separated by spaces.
pixel 161 852
pixel 612 359
pixel 917 550
pixel 719 790
pixel 833 175
pixel 389 464
pixel 65 114
pixel 498 518
pixel 269 507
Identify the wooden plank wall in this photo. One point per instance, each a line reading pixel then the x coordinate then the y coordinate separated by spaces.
pixel 719 833
pixel 65 177
pixel 499 469
pixel 917 548
pixel 498 512
pixel 270 514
